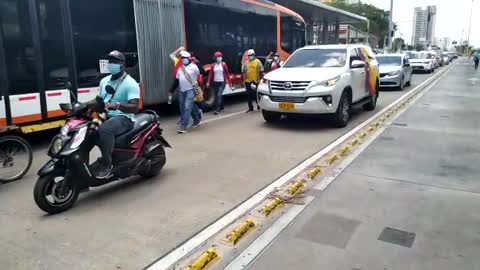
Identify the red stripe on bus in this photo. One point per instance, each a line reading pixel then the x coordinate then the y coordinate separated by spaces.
pixel 54 94
pixel 83 91
pixel 27 98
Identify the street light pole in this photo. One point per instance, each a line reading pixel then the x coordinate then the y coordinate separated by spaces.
pixel 390 26
pixel 469 27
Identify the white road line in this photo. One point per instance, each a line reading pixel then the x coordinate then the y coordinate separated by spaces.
pixel 223 117
pixel 187 247
pixel 252 252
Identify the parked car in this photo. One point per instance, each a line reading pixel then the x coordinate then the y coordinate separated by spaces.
pixel 422 61
pixel 395 70
pixel 325 79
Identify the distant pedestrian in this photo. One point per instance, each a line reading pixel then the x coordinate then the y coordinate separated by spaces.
pixel 218 78
pixel 252 73
pixel 476 59
pixel 272 62
pixel 186 75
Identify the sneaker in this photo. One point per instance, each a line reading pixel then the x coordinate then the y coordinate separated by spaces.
pixel 195 125
pixel 249 110
pixel 216 112
pixel 103 171
pixel 182 130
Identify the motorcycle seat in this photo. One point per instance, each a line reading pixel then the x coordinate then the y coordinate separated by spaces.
pixel 142 121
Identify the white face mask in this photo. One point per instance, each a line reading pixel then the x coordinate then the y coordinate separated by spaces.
pixel 219 59
pixel 275 58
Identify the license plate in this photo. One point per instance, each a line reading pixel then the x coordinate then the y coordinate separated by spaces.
pixel 287 106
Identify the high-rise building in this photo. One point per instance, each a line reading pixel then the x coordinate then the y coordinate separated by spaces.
pixel 423 32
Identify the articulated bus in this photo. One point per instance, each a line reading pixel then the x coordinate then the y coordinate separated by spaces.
pixel 46 43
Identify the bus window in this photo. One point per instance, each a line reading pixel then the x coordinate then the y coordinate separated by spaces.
pixel 293 33
pixel 100 27
pixel 18 45
pixel 52 38
pixel 229 26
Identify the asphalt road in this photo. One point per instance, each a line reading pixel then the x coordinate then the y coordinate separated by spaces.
pixel 128 224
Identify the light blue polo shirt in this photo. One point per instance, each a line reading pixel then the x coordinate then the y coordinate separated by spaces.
pixel 128 90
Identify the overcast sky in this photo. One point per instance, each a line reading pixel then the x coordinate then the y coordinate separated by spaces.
pixel 452 17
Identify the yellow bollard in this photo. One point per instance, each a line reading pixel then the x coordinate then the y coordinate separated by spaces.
pixel 294 188
pixel 314 172
pixel 344 150
pixel 204 260
pixel 272 205
pixel 241 230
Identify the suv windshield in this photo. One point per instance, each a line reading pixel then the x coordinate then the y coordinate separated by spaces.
pixel 420 56
pixel 317 58
pixel 389 60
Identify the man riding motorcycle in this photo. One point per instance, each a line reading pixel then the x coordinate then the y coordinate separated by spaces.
pixel 122 103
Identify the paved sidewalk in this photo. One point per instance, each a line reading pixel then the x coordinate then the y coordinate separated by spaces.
pixel 411 200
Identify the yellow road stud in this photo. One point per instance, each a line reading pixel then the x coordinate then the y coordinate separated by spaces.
pixel 363 135
pixel 388 114
pixel 314 172
pixel 294 188
pixel 240 231
pixel 272 205
pixel 354 142
pixel 344 150
pixel 371 129
pixel 377 124
pixel 332 159
pixel 205 260
pixel 383 119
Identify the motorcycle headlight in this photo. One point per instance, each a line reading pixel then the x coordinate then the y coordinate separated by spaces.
pixel 394 73
pixel 57 145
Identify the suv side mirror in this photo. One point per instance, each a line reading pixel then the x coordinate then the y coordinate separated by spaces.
pixel 357 64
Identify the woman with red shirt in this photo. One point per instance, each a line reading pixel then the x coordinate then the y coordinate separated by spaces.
pixel 218 78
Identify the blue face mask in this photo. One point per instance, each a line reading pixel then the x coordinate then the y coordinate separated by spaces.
pixel 251 57
pixel 114 68
pixel 185 61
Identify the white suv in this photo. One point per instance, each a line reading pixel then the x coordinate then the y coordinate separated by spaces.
pixel 325 79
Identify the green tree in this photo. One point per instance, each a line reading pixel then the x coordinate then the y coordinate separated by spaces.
pixel 398 44
pixel 378 18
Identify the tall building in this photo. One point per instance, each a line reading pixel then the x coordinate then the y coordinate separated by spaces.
pixel 423 32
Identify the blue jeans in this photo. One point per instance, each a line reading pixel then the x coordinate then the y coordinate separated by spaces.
pixel 218 88
pixel 188 108
pixel 114 126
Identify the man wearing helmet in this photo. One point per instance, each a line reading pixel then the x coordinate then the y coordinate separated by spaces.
pixel 252 73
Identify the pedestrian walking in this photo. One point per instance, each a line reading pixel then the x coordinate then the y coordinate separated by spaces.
pixel 272 63
pixel 476 59
pixel 186 76
pixel 175 56
pixel 218 78
pixel 252 73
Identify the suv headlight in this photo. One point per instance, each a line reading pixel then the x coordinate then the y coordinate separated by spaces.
pixel 327 83
pixel 394 73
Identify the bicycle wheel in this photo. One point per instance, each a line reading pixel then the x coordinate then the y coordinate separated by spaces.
pixel 15 158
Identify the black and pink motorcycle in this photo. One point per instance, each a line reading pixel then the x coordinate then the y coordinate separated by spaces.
pixel 140 151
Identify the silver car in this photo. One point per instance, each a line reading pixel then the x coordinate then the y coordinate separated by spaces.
pixel 395 70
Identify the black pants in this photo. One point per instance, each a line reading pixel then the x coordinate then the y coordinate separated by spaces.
pixel 476 63
pixel 252 94
pixel 114 126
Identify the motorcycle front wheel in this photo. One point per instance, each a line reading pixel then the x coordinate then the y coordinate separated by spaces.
pixel 52 195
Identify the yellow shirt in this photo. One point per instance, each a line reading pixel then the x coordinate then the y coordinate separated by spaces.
pixel 252 71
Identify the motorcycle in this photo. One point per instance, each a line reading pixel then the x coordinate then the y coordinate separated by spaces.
pixel 140 151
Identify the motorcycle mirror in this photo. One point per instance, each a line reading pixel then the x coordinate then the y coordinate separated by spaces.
pixel 109 89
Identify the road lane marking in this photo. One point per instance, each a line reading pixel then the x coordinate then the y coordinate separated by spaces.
pixel 194 242
pixel 264 240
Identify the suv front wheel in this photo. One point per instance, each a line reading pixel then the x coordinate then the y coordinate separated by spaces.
pixel 342 115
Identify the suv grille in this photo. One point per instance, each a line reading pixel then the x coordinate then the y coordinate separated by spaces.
pixel 288 86
pixel 288 99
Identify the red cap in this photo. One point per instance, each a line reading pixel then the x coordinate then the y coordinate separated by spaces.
pixel 217 54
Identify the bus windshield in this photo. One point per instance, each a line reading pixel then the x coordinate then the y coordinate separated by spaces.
pixel 313 58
